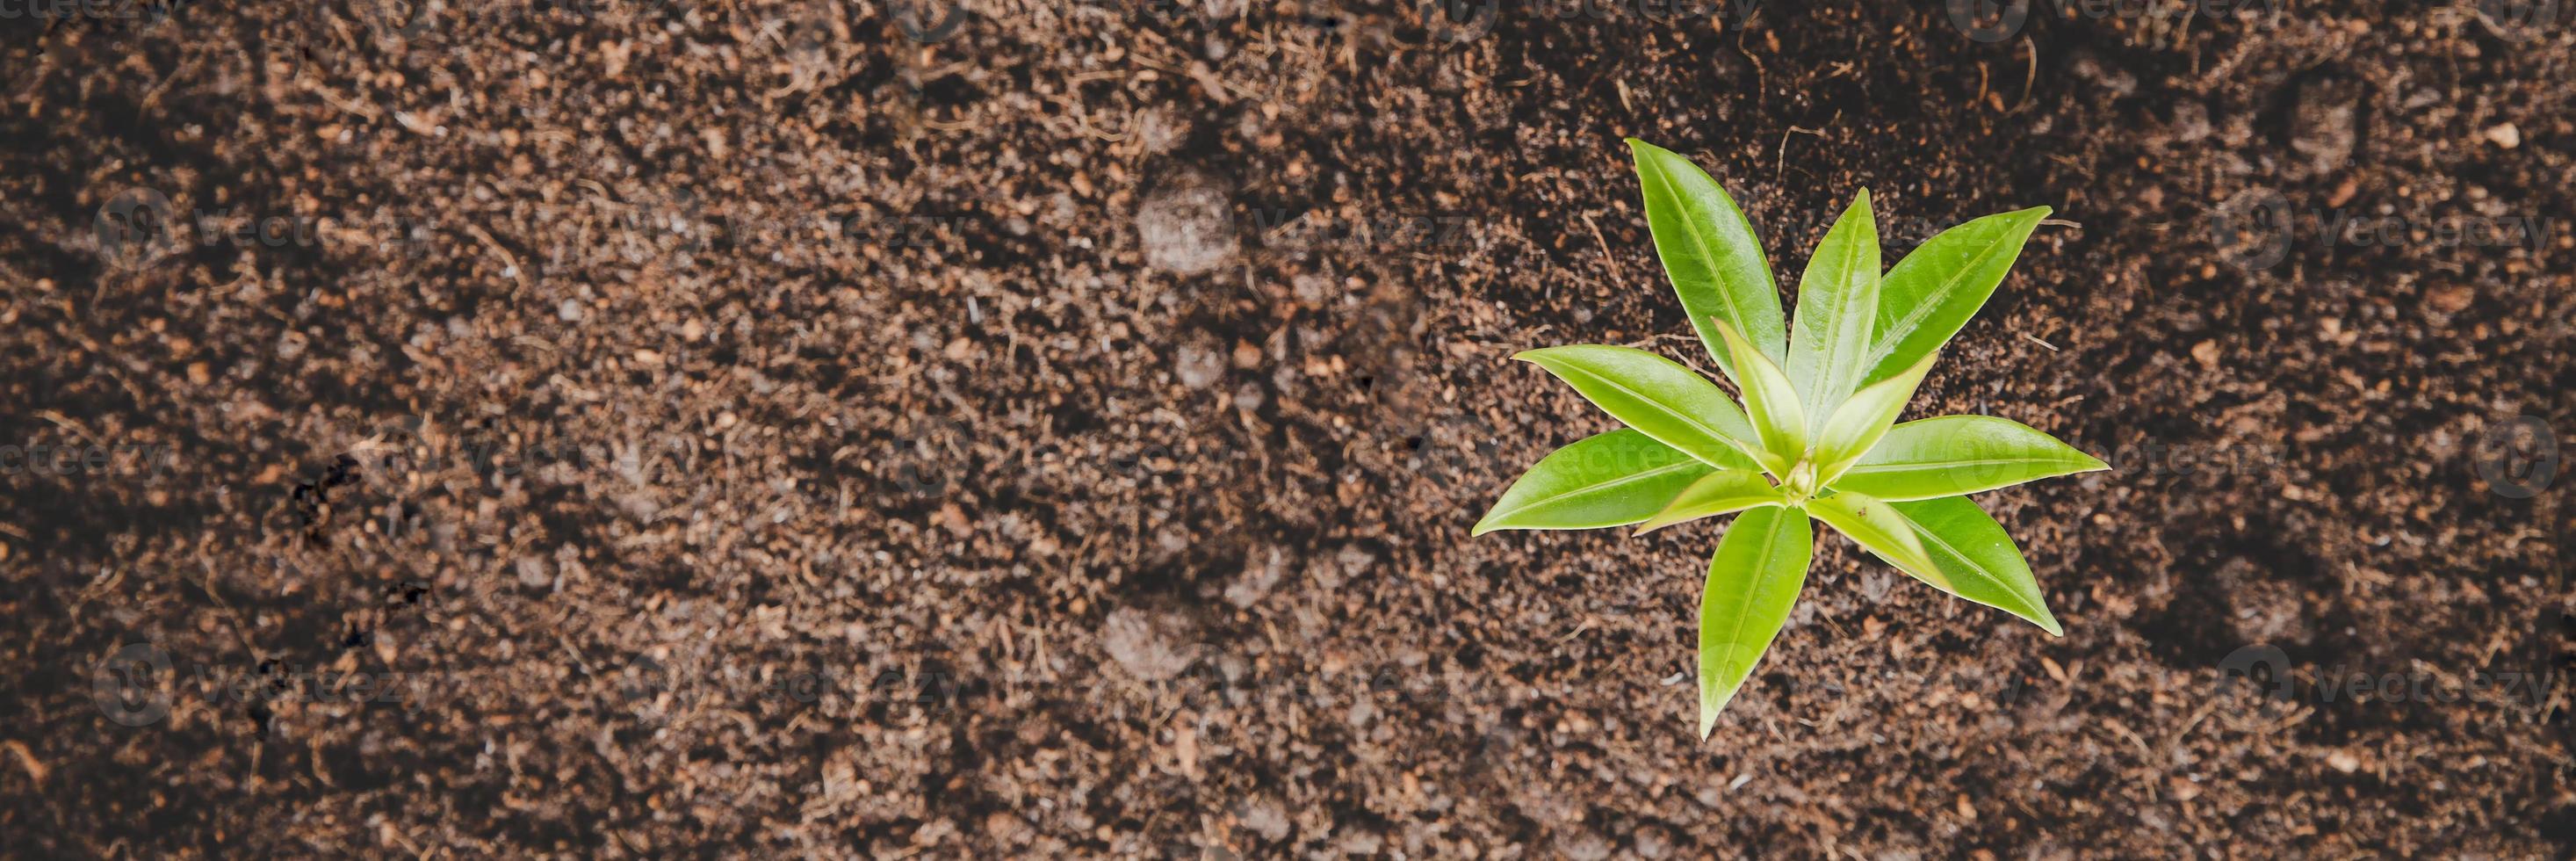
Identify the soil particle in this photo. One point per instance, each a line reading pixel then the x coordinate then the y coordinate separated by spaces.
pixel 1142 644
pixel 2323 125
pixel 1652 843
pixel 1187 225
pixel 1584 845
pixel 1198 366
pixel 2506 135
pixel 1266 818
pixel 2190 123
pixel 1261 572
pixel 2267 607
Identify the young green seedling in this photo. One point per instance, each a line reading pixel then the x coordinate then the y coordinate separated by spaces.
pixel 1815 436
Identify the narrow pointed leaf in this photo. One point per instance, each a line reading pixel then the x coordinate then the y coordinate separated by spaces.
pixel 1717 266
pixel 1723 491
pixel 1860 422
pixel 1837 310
pixel 1778 420
pixel 1879 529
pixel 1959 455
pixel 1937 288
pixel 1753 580
pixel 1658 397
pixel 1976 559
pixel 1608 479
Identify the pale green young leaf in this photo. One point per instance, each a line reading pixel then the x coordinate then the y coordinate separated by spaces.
pixel 1753 580
pixel 1717 266
pixel 1837 309
pixel 1958 455
pixel 1859 423
pixel 1976 559
pixel 1608 479
pixel 1723 491
pixel 1657 396
pixel 1778 420
pixel 1937 288
pixel 1877 528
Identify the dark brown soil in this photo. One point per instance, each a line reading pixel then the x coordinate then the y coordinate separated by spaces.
pixel 783 428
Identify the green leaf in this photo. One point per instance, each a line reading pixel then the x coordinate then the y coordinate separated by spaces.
pixel 1837 309
pixel 1777 419
pixel 1709 251
pixel 1977 559
pixel 1859 423
pixel 1657 396
pixel 1935 289
pixel 1877 528
pixel 1959 455
pixel 1609 479
pixel 1722 491
pixel 1753 580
